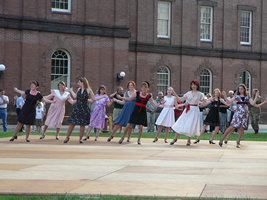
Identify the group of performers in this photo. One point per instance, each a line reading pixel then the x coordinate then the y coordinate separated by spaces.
pixel 134 111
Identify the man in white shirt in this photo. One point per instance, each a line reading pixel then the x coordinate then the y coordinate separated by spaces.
pixel 3 108
pixel 19 104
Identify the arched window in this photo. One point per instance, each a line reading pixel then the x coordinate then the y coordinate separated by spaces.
pixel 205 81
pixel 245 78
pixel 163 78
pixel 60 68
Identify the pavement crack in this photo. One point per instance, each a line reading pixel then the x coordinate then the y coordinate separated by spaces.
pixel 202 191
pixel 108 174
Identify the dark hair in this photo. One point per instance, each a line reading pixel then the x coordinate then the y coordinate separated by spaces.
pixel 132 82
pixel 145 83
pixel 61 83
pixel 243 86
pixel 101 87
pixel 36 83
pixel 195 83
pixel 1 90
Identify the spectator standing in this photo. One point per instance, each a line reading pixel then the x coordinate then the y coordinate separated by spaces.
pixel 159 100
pixel 4 100
pixel 150 110
pixel 254 112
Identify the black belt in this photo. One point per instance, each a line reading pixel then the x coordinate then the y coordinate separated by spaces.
pixel 242 102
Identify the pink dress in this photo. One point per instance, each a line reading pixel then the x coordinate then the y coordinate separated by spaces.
pixel 97 119
pixel 56 111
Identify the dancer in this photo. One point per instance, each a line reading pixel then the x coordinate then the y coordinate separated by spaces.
pixel 189 122
pixel 27 114
pixel 56 110
pixel 97 119
pixel 126 112
pixel 81 114
pixel 166 117
pixel 213 118
pixel 138 116
pixel 240 118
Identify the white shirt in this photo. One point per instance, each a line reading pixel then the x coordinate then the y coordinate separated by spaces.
pixel 1 101
pixel 39 113
pixel 194 99
pixel 20 102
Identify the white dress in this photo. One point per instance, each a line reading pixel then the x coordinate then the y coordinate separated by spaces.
pixel 166 116
pixel 189 122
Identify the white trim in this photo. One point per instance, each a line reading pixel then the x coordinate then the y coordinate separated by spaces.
pixel 211 24
pixel 169 77
pixel 210 79
pixel 63 10
pixel 169 21
pixel 250 27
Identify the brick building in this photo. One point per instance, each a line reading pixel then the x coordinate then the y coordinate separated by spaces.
pixel 167 42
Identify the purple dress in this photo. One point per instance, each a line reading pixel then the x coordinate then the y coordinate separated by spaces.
pixel 240 118
pixel 97 119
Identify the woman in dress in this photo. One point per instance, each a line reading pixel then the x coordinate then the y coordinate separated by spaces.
pixel 240 118
pixel 213 117
pixel 126 112
pixel 56 110
pixel 27 114
pixel 81 114
pixel 138 116
pixel 189 122
pixel 166 118
pixel 97 119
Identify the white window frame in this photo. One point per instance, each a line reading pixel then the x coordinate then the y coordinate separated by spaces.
pixel 211 24
pixel 249 80
pixel 250 27
pixel 169 20
pixel 69 63
pixel 210 79
pixel 62 10
pixel 169 78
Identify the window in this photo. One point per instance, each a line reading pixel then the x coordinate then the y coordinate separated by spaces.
pixel 206 23
pixel 163 77
pixel 61 5
pixel 245 78
pixel 164 15
pixel 205 81
pixel 245 27
pixel 60 68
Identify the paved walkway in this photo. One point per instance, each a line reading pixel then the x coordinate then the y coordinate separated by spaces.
pixel 149 169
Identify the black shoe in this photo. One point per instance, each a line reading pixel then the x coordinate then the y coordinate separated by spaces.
pixel 211 142
pixel 221 143
pixel 165 141
pixel 237 145
pixel 256 131
pixel 27 140
pixel 188 143
pixel 66 140
pixel 13 138
pixel 86 138
pixel 110 138
pixel 174 140
pixel 225 141
pixel 81 141
pixel 155 140
pixel 138 142
pixel 121 140
pixel 197 141
pixel 128 140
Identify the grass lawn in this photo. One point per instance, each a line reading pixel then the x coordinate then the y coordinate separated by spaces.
pixel 248 136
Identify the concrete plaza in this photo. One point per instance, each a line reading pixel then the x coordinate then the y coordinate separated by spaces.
pixel 149 169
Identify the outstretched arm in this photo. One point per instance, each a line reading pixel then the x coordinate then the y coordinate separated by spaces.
pixel 129 98
pixel 253 101
pixel 90 91
pixel 19 91
pixel 261 104
pixel 74 95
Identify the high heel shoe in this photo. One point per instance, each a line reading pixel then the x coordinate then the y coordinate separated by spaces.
pixel 237 145
pixel 13 138
pixel 211 142
pixel 57 137
pixel 81 141
pixel 96 139
pixel 42 137
pixel 66 140
pixel 128 140
pixel 138 142
pixel 221 143
pixel 155 140
pixel 165 141
pixel 196 141
pixel 27 140
pixel 86 138
pixel 188 143
pixel 225 141
pixel 121 140
pixel 174 140
pixel 110 138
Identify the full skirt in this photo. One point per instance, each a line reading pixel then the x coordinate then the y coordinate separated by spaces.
pixel 166 117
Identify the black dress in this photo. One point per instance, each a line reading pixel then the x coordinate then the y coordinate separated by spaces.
pixel 213 118
pixel 81 113
pixel 27 114
pixel 138 116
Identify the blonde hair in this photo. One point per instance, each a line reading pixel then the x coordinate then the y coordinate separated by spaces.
pixel 218 90
pixel 85 82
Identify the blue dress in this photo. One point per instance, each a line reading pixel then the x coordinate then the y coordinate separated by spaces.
pixel 126 112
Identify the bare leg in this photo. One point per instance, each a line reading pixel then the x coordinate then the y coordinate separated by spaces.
pixel 188 141
pixel 127 128
pixel 88 133
pixel 71 127
pixel 44 131
pixel 116 127
pixel 241 132
pixel 216 130
pixel 140 134
pixel 97 134
pixel 130 134
pixel 28 130
pixel 201 133
pixel 227 132
pixel 82 129
pixel 57 134
pixel 158 132
pixel 167 129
